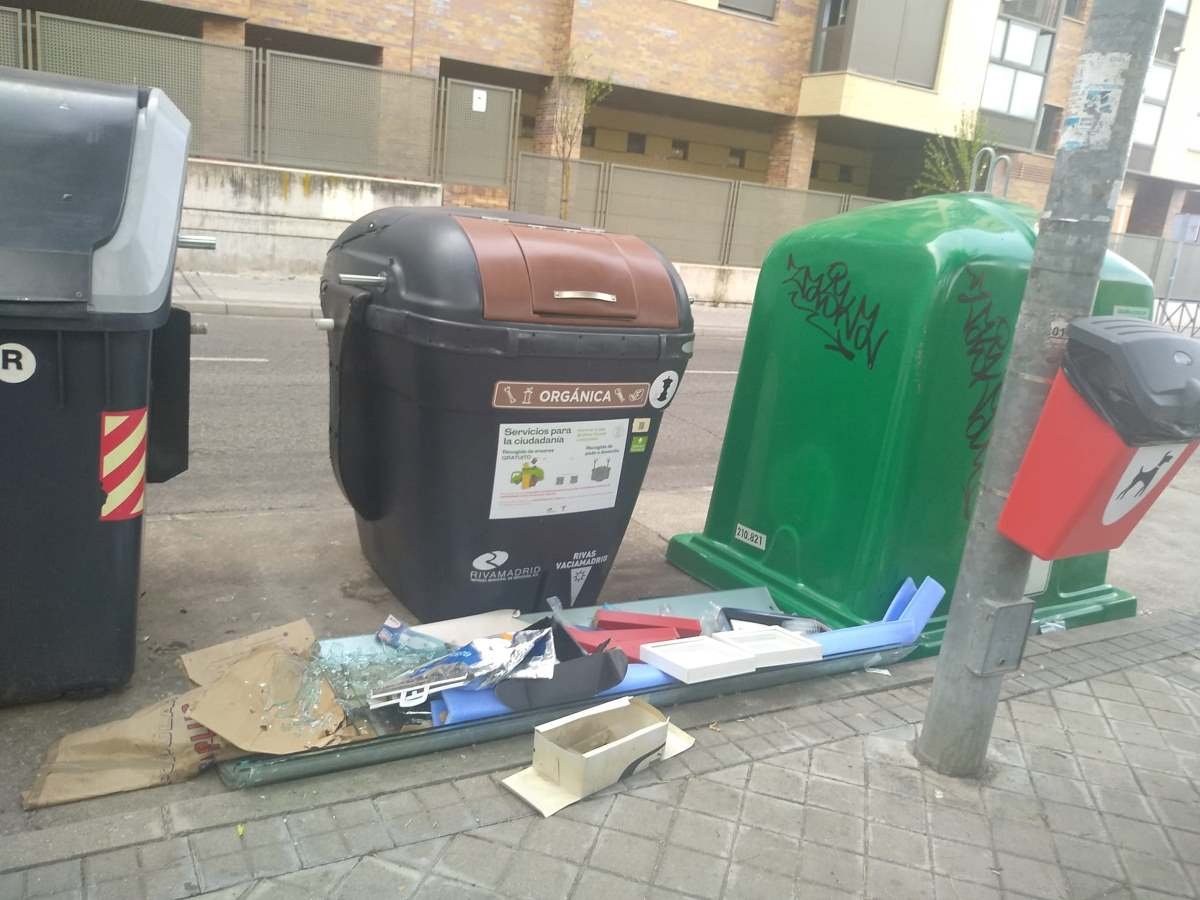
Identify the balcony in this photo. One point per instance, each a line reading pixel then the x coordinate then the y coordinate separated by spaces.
pixel 897 40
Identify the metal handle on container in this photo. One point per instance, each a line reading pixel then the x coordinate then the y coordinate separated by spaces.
pixel 325 324
pixel 585 295
pixel 363 280
pixel 195 242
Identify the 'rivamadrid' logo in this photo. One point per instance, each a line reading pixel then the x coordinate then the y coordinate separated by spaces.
pixel 489 567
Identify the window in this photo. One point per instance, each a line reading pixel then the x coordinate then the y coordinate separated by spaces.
pixel 588 138
pixel 1154 97
pixel 1145 126
pixel 1170 38
pixel 679 149
pixel 1020 54
pixel 833 13
pixel 1075 9
pixel 528 124
pixel 737 158
pixel 845 174
pixel 1177 6
pixel 1047 136
pixel 635 142
pixel 764 9
pixel 815 171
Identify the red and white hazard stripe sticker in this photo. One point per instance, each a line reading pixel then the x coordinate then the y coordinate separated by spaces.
pixel 122 464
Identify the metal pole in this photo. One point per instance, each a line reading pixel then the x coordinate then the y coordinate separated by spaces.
pixel 989 616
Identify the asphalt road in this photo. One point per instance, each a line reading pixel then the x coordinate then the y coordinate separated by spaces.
pixel 260 402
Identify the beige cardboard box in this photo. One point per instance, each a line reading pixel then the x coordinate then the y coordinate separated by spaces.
pixel 577 755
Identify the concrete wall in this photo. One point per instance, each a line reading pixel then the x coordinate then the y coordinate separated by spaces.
pixel 280 221
pixel 718 285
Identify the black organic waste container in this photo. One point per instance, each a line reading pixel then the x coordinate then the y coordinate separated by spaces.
pixel 91 177
pixel 497 386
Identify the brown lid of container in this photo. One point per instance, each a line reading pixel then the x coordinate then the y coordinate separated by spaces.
pixel 547 275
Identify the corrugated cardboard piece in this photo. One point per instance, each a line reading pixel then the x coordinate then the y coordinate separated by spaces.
pixel 577 755
pixel 207 665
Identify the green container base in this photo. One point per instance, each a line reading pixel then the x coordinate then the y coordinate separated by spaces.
pixel 723 568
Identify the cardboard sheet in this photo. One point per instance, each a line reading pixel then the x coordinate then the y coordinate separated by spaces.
pixel 160 744
pixel 263 705
pixel 207 665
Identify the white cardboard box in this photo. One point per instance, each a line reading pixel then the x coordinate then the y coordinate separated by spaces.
pixel 580 754
pixel 772 645
pixel 696 659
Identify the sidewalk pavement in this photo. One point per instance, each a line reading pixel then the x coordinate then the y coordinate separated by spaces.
pixel 294 296
pixel 798 791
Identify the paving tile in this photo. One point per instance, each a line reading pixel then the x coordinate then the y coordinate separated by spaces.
pixel 960 825
pixel 1041 736
pixel 897 845
pixel 637 816
pixel 886 879
pixel 409 828
pixel 722 800
pixel 767 850
pixel 1023 839
pixel 1156 873
pixel 773 814
pixel 1032 878
pixel 509 834
pixel 839 796
pixel 894 810
pixel 416 856
pixel 537 877
pixel 1177 813
pixel 895 779
pixel 1120 711
pixel 1143 837
pixel 436 796
pixel 471 860
pixel 1088 856
pixel 832 868
pixel 598 885
pixel 625 854
pixel 945 888
pixel 690 872
pixel 1067 699
pixel 1108 774
pixel 1169 787
pixel 1061 790
pixel 704 833
pixel 559 837
pixel 1086 886
pixel 1134 733
pixel 838 764
pixel 1123 803
pixel 60 878
pixel 754 884
pixel 1088 745
pixel 965 862
pixel 1075 821
pixel 437 888
pixel 833 829
pixel 225 857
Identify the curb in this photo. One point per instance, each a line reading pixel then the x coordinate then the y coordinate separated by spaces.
pixel 247 308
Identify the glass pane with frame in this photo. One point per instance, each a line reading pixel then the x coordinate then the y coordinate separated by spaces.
pixel 1026 95
pixel 998 38
pixel 1145 126
pixel 1158 82
pixel 1022 39
pixel 997 88
pixel 1041 51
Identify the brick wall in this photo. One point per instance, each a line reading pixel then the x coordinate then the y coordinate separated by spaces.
pixel 686 50
pixel 475 195
pixel 1067 45
pixel 1030 181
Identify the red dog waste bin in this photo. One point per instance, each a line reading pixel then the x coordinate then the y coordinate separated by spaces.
pixel 1122 417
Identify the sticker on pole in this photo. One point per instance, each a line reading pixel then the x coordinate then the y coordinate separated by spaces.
pixel 17 363
pixel 663 389
pixel 1147 470
pixel 122 464
pixel 554 468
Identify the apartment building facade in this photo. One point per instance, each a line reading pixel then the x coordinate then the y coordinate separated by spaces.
pixel 833 95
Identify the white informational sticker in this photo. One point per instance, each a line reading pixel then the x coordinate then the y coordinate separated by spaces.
pixel 1039 577
pixel 1093 101
pixel 750 536
pixel 579 578
pixel 17 363
pixel 553 468
pixel 641 426
pixel 1147 469
pixel 663 389
pixel 478 100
